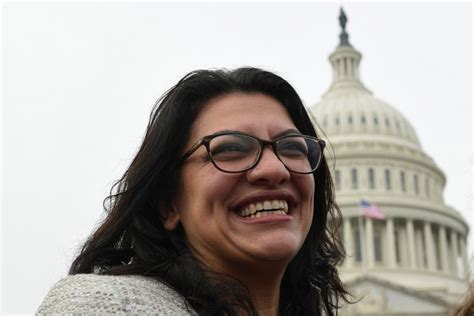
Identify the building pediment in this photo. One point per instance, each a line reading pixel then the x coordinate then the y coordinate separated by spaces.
pixel 380 297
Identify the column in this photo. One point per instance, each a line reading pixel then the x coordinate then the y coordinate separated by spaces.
pixel 465 260
pixel 403 246
pixel 411 244
pixel 346 66
pixel 420 248
pixel 429 243
pixel 454 252
pixel 348 243
pixel 391 260
pixel 443 249
pixel 369 241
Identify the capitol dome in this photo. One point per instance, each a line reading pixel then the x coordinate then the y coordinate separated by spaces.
pixel 413 260
pixel 344 111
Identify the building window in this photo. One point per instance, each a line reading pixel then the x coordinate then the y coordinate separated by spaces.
pixel 357 245
pixel 337 120
pixel 349 120
pixel 376 120
pixel 387 122
pixel 398 258
pixel 421 248
pixel 354 179
pixel 437 247
pixel 371 178
pixel 377 245
pixel 397 124
pixel 402 181
pixel 362 120
pixel 427 187
pixel 388 181
pixel 415 184
pixel 337 177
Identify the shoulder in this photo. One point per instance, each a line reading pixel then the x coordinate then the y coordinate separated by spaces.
pixel 90 293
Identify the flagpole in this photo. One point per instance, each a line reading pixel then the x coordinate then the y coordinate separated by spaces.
pixel 367 210
pixel 363 258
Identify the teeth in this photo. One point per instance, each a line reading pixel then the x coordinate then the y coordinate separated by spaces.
pixel 276 205
pixel 267 205
pixel 264 208
pixel 252 209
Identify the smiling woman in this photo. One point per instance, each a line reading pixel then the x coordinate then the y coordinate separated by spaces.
pixel 227 209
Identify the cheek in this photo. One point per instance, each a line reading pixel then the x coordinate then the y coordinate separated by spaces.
pixel 214 188
pixel 305 185
pixel 201 193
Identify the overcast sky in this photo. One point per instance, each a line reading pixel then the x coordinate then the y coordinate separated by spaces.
pixel 79 81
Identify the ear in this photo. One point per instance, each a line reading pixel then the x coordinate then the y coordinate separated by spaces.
pixel 169 215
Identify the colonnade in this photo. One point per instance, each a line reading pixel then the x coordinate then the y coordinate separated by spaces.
pixel 406 243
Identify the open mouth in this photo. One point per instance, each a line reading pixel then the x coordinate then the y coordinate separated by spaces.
pixel 264 208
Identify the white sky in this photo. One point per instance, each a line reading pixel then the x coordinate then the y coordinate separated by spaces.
pixel 79 81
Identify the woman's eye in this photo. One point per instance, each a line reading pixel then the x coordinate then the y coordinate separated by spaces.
pixel 293 148
pixel 231 151
pixel 228 148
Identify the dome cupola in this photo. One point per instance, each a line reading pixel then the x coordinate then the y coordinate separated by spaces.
pixel 345 61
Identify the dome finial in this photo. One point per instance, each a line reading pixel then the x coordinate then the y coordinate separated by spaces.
pixel 343 37
pixel 345 61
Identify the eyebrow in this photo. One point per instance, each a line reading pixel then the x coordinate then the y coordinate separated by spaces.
pixel 290 131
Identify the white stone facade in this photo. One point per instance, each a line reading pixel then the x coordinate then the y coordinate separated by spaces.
pixel 374 154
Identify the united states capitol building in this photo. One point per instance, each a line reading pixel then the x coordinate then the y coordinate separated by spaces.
pixel 414 261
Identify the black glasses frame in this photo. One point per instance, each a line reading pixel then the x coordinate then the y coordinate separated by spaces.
pixel 206 140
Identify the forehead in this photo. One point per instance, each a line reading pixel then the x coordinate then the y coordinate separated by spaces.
pixel 256 114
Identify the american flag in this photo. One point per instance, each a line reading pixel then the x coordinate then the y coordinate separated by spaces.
pixel 370 210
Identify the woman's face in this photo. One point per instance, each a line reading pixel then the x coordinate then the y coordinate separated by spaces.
pixel 209 202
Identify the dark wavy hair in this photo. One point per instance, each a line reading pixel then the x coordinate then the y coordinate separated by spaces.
pixel 132 239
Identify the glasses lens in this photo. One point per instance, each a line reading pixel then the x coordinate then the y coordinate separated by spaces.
pixel 299 153
pixel 234 152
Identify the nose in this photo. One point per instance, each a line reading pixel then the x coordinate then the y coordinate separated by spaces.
pixel 269 170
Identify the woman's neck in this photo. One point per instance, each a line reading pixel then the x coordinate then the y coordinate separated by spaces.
pixel 262 279
pixel 266 297
pixel 264 286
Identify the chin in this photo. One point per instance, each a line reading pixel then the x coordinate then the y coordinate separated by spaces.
pixel 279 250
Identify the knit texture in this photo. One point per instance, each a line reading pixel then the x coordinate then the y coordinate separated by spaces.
pixel 106 294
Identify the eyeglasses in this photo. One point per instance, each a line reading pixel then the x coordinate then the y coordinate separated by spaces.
pixel 235 152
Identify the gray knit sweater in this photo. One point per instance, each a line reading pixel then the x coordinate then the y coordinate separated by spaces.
pixel 104 294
